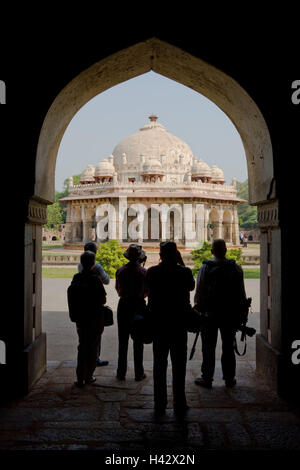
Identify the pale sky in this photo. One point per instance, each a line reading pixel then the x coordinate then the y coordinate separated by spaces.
pixel 122 110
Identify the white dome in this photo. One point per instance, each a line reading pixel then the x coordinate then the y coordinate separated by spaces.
pixel 104 168
pixel 200 168
pixel 150 143
pixel 88 175
pixel 217 174
pixel 152 165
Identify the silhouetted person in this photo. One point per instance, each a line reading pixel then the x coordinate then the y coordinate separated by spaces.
pixel 130 285
pixel 220 292
pixel 169 285
pixel 104 277
pixel 90 297
pixel 143 258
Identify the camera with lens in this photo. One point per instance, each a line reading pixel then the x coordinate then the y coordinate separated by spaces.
pixel 247 331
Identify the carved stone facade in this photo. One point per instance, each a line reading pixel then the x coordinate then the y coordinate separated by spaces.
pixel 268 214
pixel 37 212
pixel 167 191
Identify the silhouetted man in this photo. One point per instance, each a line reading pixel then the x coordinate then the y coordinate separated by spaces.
pixel 130 285
pixel 169 284
pixel 87 297
pixel 220 292
pixel 104 277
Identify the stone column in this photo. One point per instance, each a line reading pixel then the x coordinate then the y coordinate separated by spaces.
pixel 201 234
pixel 230 232
pixel 206 220
pixel 69 228
pixel 164 221
pixel 235 227
pixel 189 225
pixel 26 343
pixel 269 341
pixel 76 224
pixel 219 225
pixel 87 223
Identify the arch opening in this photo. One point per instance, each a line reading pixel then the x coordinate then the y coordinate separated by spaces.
pixel 177 65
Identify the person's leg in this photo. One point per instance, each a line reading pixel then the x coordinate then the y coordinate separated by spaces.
pixel 99 361
pixel 160 364
pixel 228 359
pixel 99 351
pixel 178 353
pixel 209 336
pixel 81 355
pixel 138 352
pixel 92 349
pixel 123 336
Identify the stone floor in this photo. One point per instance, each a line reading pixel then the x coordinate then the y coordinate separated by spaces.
pixel 116 417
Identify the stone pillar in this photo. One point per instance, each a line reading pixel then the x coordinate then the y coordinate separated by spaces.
pixel 69 233
pixel 219 225
pixel 87 214
pixel 164 221
pixel 25 342
pixel 86 231
pixel 189 218
pixel 76 224
pixel 69 228
pixel 206 220
pixel 230 232
pixel 235 227
pixel 269 341
pixel 201 234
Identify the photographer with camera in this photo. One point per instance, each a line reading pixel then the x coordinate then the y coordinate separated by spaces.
pixel 220 295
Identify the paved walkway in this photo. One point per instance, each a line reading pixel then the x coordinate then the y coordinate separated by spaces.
pixel 117 417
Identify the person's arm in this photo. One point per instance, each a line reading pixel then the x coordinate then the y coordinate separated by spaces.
pixel 146 290
pixel 101 273
pixel 117 285
pixel 242 284
pixel 190 280
pixel 101 293
pixel 179 258
pixel 199 285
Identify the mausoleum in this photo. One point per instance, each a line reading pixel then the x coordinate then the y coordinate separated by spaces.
pixel 152 188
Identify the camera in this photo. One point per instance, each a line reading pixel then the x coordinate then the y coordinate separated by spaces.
pixel 247 331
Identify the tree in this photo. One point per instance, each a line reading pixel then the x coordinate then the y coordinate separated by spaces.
pixel 64 193
pixel 247 214
pixel 110 256
pixel 54 216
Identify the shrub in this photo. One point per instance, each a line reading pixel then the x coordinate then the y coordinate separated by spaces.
pixel 204 253
pixel 110 256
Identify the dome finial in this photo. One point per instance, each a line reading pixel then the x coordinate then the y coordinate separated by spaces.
pixel 153 118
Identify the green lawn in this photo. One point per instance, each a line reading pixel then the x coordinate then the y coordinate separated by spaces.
pixel 48 246
pixel 59 273
pixel 251 273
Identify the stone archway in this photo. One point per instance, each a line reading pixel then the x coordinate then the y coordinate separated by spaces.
pixel 213 227
pixel 229 96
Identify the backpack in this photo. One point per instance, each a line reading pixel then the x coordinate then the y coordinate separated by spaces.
pixel 222 286
pixel 83 298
